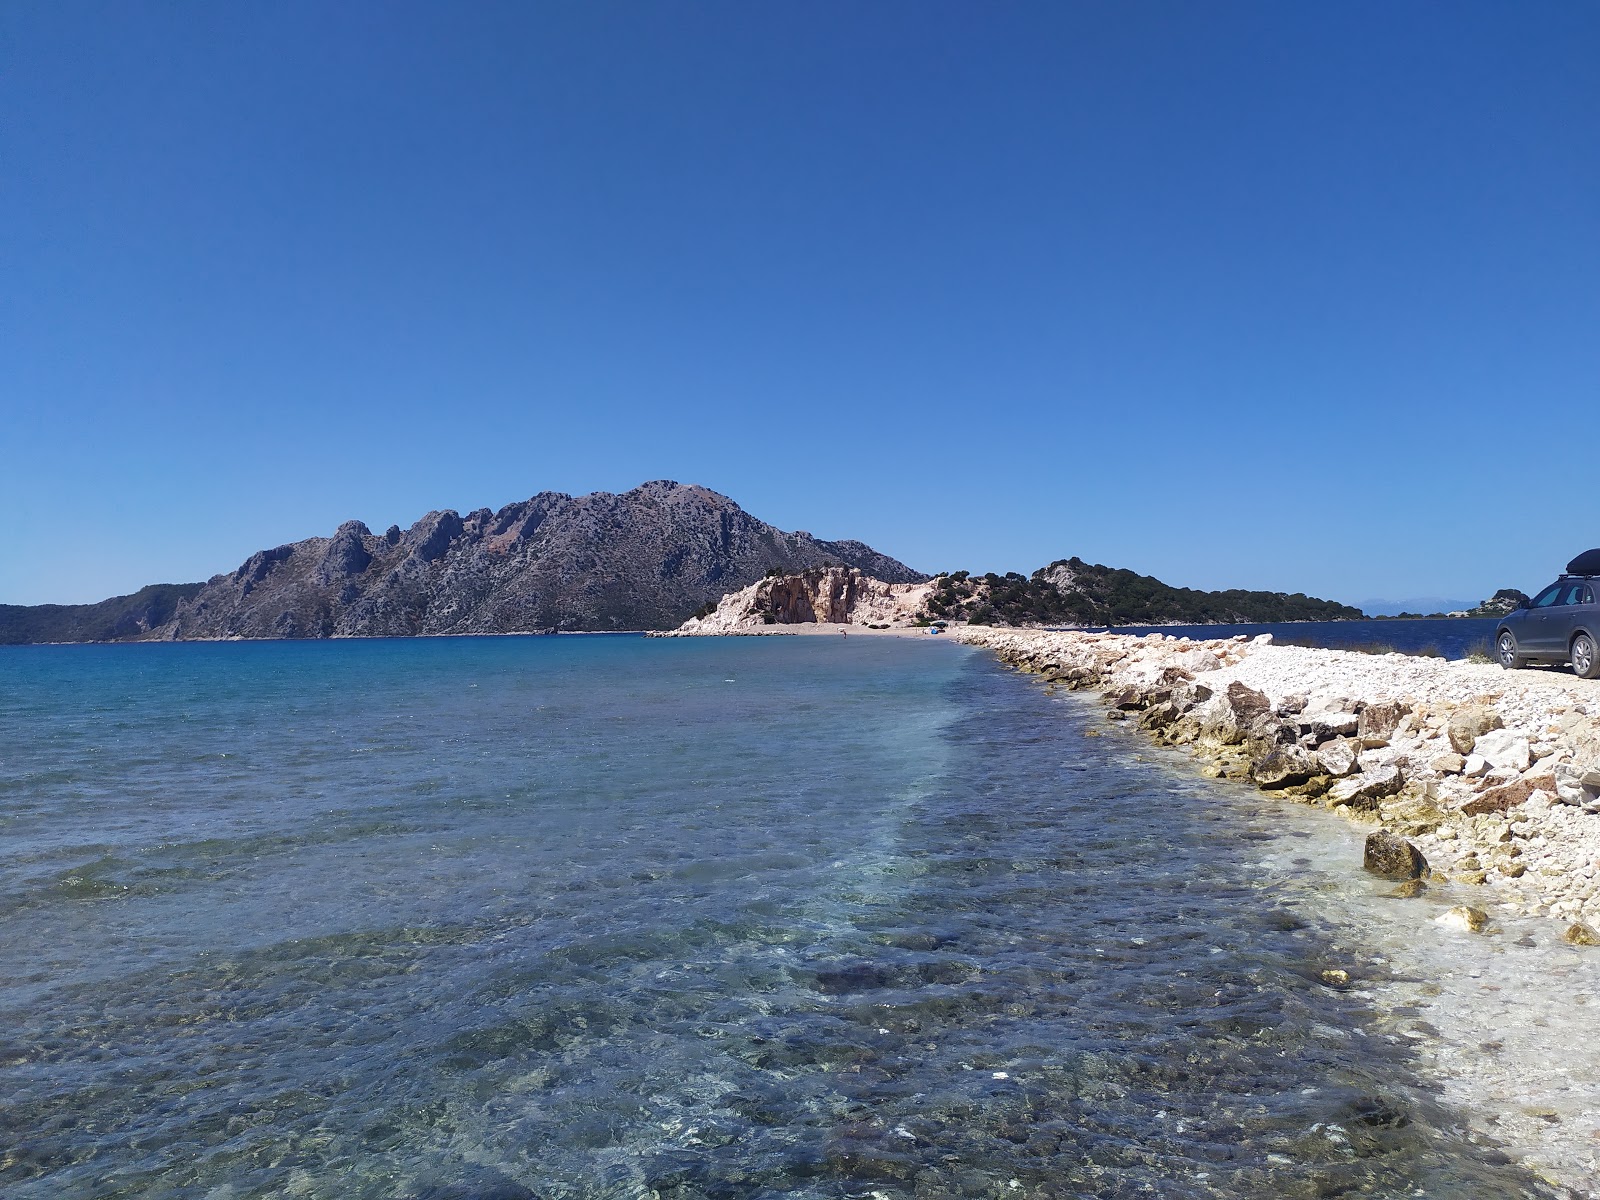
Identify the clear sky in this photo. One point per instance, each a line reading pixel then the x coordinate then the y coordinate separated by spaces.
pixel 1282 295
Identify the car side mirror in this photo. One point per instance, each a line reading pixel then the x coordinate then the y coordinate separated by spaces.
pixel 1524 603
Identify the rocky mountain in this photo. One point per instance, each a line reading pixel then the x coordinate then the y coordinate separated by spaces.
pixel 645 559
pixel 1073 592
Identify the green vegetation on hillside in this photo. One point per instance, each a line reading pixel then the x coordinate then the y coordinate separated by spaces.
pixel 1072 592
pixel 120 617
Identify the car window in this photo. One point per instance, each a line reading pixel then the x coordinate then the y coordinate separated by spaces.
pixel 1588 595
pixel 1574 594
pixel 1546 598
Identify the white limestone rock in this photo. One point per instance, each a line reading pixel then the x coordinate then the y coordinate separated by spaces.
pixel 1503 748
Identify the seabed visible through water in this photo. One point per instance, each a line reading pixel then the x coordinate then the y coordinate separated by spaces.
pixel 712 918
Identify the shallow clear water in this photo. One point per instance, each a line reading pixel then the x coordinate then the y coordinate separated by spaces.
pixel 616 917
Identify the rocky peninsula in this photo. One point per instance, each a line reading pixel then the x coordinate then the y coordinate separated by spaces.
pixel 1477 791
pixel 1493 776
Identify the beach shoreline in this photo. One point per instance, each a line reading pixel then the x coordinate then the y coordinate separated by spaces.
pixel 1503 1003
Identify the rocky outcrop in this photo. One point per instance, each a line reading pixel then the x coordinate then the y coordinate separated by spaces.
pixel 644 559
pixel 1490 776
pixel 1498 605
pixel 821 595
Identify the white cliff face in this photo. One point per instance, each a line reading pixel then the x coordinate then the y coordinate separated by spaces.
pixel 825 595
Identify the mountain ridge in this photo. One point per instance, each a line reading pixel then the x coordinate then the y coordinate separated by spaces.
pixel 641 559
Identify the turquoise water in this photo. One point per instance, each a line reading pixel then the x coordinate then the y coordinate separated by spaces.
pixel 484 919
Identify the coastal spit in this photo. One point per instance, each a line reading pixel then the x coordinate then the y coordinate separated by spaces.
pixel 1493 777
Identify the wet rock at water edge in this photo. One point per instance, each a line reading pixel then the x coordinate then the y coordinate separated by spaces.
pixel 1409 890
pixel 1465 918
pixel 1393 857
pixel 1581 934
pixel 1366 789
pixel 1284 766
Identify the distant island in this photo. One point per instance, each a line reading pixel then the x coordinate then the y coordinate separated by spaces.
pixel 1498 605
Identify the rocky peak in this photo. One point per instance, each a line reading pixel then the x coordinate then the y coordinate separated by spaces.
pixel 644 559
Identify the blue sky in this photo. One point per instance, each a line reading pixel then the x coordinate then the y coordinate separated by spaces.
pixel 1290 296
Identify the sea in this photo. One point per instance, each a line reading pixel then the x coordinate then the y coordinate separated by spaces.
pixel 1439 637
pixel 676 919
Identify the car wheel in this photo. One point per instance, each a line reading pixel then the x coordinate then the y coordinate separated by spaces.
pixel 1506 650
pixel 1585 662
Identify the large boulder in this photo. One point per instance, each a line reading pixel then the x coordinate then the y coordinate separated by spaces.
pixel 1338 757
pixel 1229 717
pixel 1470 723
pixel 1393 857
pixel 1508 795
pixel 1284 766
pixel 1366 789
pixel 1321 726
pixel 1504 749
pixel 1379 721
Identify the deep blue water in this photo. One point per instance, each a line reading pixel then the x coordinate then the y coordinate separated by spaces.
pixel 681 919
pixel 1452 638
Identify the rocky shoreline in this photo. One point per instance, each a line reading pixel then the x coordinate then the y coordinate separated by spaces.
pixel 1475 788
pixel 1493 776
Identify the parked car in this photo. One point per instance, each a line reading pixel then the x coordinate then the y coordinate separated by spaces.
pixel 1559 625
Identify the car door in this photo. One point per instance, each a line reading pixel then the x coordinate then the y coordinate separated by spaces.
pixel 1577 612
pixel 1539 634
pixel 1559 620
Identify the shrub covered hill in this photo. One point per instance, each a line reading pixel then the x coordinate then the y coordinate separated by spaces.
pixel 120 618
pixel 643 559
pixel 1073 592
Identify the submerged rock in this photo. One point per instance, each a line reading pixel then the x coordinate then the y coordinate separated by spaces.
pixel 1393 857
pixel 1465 918
pixel 1580 934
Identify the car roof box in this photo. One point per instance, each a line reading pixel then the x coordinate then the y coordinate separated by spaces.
pixel 1587 563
